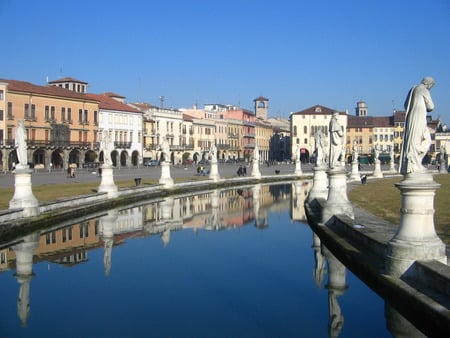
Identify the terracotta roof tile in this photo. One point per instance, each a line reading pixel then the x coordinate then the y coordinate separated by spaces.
pixel 261 98
pixel 317 110
pixel 67 79
pixel 27 87
pixel 108 103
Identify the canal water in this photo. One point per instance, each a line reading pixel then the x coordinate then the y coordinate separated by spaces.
pixel 237 262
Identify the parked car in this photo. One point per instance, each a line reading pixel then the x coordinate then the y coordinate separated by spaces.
pixel 151 163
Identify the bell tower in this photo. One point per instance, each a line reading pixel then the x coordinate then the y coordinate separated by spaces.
pixel 361 108
pixel 261 107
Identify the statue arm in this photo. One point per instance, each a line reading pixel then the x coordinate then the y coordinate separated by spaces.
pixel 428 101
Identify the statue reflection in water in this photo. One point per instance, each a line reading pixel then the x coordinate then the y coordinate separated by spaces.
pixel 24 273
pixel 336 284
pixel 336 287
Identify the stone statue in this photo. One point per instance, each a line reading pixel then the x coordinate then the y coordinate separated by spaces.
pixel 355 146
pixel 355 151
pixel 213 152
pixel 106 147
pixel 321 147
pixel 336 134
pixel 165 149
pixel 256 153
pixel 376 151
pixel 416 137
pixel 21 145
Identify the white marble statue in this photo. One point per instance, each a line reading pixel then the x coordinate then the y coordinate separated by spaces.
pixel 165 149
pixel 213 152
pixel 321 148
pixel 256 153
pixel 106 147
pixel 416 137
pixel 20 144
pixel 336 135
pixel 376 151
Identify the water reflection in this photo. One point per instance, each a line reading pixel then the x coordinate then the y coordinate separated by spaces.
pixel 216 210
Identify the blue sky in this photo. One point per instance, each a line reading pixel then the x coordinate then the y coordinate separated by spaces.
pixel 295 53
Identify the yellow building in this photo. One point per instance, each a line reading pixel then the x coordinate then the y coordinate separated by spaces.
pixel 306 123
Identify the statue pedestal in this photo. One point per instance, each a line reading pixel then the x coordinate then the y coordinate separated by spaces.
pixel 337 201
pixel 442 167
pixel 214 171
pixel 377 171
pixel 23 195
pixel 416 237
pixel 255 169
pixel 166 179
pixel 298 168
pixel 107 183
pixel 319 189
pixel 354 175
pixel 392 168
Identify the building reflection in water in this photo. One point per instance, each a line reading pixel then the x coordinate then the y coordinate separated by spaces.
pixel 211 211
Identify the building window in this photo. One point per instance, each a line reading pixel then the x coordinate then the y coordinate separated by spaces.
pixel 47 113
pixel 10 111
pixel 26 111
pixel 305 129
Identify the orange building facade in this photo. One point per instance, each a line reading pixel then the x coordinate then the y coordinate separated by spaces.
pixel 62 125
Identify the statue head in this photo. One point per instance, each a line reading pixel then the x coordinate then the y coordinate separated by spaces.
pixel 428 82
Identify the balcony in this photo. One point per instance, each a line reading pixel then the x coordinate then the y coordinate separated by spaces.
pixel 249 123
pixel 30 118
pixel 249 135
pixel 223 146
pixel 122 145
pixel 33 144
pixel 183 147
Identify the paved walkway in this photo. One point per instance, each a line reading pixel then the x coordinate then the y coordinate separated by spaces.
pixel 44 177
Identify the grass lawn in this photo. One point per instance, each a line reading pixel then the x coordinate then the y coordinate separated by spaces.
pixel 383 199
pixel 51 192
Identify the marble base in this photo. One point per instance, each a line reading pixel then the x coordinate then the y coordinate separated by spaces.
pixel 354 175
pixel 166 178
pixel 23 194
pixel 298 168
pixel 377 171
pixel 337 200
pixel 107 182
pixel 214 172
pixel 416 237
pixel 255 170
pixel 442 167
pixel 319 189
